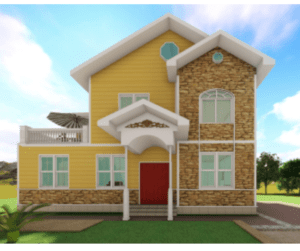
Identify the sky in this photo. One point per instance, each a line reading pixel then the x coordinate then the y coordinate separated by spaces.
pixel 41 44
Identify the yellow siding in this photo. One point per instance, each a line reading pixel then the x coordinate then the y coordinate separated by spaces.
pixel 82 162
pixel 142 71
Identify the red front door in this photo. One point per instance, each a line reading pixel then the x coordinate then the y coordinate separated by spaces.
pixel 154 183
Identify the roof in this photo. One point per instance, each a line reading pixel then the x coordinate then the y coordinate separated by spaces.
pixel 167 22
pixel 236 47
pixel 203 43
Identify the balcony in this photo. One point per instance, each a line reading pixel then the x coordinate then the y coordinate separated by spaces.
pixel 30 135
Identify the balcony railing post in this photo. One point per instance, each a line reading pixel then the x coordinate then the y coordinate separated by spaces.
pixel 24 134
pixel 85 134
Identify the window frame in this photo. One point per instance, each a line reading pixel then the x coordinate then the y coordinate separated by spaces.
pixel 133 95
pixel 216 171
pixel 54 171
pixel 112 186
pixel 232 106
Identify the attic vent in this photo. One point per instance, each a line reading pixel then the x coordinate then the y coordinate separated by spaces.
pixel 217 58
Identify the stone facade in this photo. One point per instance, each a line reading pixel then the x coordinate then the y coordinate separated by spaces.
pixel 188 166
pixel 134 197
pixel 174 196
pixel 244 166
pixel 71 196
pixel 216 147
pixel 216 131
pixel 216 198
pixel 232 75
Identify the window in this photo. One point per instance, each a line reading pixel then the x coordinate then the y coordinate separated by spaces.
pixel 128 99
pixel 216 170
pixel 110 167
pixel 54 171
pixel 216 106
pixel 168 50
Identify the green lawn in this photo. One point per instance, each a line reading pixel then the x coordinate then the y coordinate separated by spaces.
pixel 281 198
pixel 146 232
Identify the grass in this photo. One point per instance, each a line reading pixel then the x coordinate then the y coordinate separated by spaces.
pixel 282 198
pixel 146 232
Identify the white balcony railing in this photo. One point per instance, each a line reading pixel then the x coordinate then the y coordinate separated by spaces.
pixel 30 135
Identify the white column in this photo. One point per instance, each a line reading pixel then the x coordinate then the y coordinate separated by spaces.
pixel 170 191
pixel 126 191
pixel 85 132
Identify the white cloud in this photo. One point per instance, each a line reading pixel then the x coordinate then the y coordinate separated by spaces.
pixel 270 24
pixel 27 69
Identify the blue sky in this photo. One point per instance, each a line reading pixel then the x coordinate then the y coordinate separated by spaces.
pixel 40 44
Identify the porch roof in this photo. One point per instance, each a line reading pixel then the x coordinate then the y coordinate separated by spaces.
pixel 144 124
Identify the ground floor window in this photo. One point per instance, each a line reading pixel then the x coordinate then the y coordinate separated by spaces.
pixel 216 170
pixel 110 170
pixel 54 171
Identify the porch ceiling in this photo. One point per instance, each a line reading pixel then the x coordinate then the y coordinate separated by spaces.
pixel 144 124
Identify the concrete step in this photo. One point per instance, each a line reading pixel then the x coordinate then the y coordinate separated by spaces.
pixel 151 214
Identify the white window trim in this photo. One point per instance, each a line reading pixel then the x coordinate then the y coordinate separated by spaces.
pixel 163 45
pixel 216 170
pixel 133 95
pixel 54 172
pixel 232 106
pixel 112 186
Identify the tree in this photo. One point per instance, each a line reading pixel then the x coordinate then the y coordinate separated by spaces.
pixel 289 175
pixel 267 169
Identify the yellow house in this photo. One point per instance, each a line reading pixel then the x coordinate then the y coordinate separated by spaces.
pixel 172 128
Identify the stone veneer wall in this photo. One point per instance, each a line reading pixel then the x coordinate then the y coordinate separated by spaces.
pixel 216 147
pixel 134 197
pixel 71 196
pixel 174 196
pixel 244 166
pixel 188 166
pixel 216 198
pixel 233 75
pixel 216 131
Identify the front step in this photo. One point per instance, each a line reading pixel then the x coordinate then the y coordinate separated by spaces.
pixel 151 210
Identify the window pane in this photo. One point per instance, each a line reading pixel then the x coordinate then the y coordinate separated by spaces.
pixel 204 96
pixel 207 162
pixel 223 111
pixel 104 163
pixel 211 92
pixel 225 162
pixel 207 179
pixel 119 163
pixel 221 92
pixel 104 179
pixel 119 179
pixel 47 164
pixel 139 98
pixel 62 179
pixel 47 179
pixel 208 111
pixel 227 95
pixel 125 101
pixel 62 163
pixel 224 179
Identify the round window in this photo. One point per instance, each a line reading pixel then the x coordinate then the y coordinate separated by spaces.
pixel 217 58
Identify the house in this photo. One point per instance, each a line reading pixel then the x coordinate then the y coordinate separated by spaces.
pixel 172 126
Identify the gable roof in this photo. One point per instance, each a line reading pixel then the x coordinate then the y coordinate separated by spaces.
pixel 167 22
pixel 236 47
pixel 203 43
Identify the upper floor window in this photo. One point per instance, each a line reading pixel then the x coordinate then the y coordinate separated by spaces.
pixel 127 99
pixel 110 170
pixel 216 170
pixel 168 50
pixel 54 171
pixel 216 106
